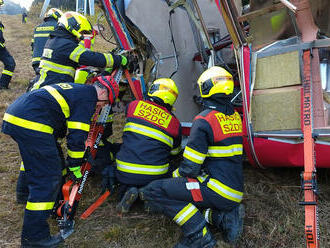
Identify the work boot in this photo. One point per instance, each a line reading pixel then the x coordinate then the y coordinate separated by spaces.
pixel 50 242
pixel 230 222
pixel 202 239
pixel 127 200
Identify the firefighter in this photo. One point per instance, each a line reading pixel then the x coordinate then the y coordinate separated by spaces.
pixel 33 121
pixel 151 135
pixel 6 59
pixel 63 52
pixel 210 176
pixel 41 34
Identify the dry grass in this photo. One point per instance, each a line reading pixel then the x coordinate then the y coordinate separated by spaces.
pixel 273 216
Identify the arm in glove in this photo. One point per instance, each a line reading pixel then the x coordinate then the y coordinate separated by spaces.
pixel 108 178
pixel 75 173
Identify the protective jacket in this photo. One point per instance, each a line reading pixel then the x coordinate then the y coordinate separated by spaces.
pixel 214 151
pixel 40 37
pixel 151 134
pixel 63 54
pixel 7 60
pixel 49 109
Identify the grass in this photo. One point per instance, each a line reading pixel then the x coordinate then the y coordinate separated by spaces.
pixel 273 216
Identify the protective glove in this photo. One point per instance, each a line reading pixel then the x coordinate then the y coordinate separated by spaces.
pixel 108 178
pixel 124 62
pixel 75 173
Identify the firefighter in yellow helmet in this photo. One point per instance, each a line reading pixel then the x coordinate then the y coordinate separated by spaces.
pixel 6 59
pixel 63 54
pixel 41 34
pixel 210 176
pixel 152 134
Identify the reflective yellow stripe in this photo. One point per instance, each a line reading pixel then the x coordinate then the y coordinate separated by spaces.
pixel 224 190
pixel 43 75
pixel 142 168
pixel 9 73
pixel 109 59
pixel 36 59
pixel 2 44
pixel 150 132
pixel 75 55
pixel 176 173
pixel 21 168
pixel 64 172
pixel 185 214
pixel 62 69
pixel 76 154
pixel 176 151
pixel 225 151
pixel 39 206
pixel 194 155
pixel 78 125
pixel 60 99
pixel 46 28
pixel 27 124
pixel 41 35
pixel 110 118
pixel 202 178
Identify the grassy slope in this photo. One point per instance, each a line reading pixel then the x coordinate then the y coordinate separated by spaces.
pixel 273 217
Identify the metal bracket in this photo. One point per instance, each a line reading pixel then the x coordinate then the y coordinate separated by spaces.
pixel 309 185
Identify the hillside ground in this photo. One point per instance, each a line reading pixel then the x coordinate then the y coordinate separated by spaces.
pixel 273 216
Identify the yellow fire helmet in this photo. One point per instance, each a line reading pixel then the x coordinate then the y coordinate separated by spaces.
pixel 76 23
pixel 165 89
pixel 215 80
pixel 53 12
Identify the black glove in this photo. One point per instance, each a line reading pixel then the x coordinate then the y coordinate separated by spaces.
pixel 108 178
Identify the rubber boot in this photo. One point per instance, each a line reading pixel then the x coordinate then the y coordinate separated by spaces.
pixel 229 222
pixel 200 239
pixel 22 190
pixel 127 200
pixel 50 242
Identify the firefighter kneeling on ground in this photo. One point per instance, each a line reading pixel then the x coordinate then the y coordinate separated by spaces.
pixel 152 134
pixel 210 176
pixel 34 121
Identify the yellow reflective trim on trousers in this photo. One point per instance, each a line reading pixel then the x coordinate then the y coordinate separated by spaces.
pixel 64 172
pixel 194 155
pixel 36 59
pixel 149 132
pixel 225 191
pixel 176 173
pixel 225 151
pixel 21 168
pixel 176 151
pixel 142 168
pixel 41 35
pixel 109 59
pixel 75 55
pixel 78 125
pixel 61 69
pixel 9 73
pixel 185 214
pixel 60 99
pixel 39 206
pixel 27 124
pixel 76 154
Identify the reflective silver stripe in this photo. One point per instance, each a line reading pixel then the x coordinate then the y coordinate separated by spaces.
pixel 225 151
pixel 41 35
pixel 9 73
pixel 150 132
pixel 51 66
pixel 176 151
pixel 75 55
pixel 194 155
pixel 142 168
pixel 185 214
pixel 109 59
pixel 176 173
pixel 2 44
pixel 224 190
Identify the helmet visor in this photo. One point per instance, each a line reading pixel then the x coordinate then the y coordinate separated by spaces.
pixel 161 87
